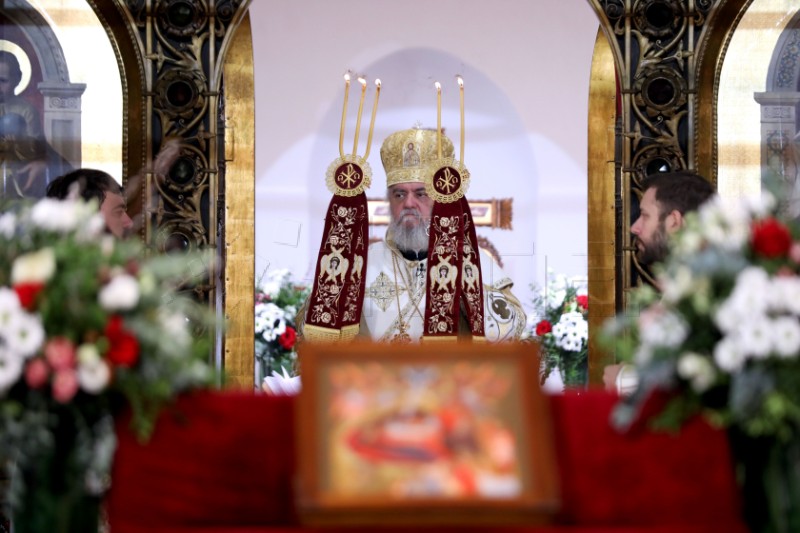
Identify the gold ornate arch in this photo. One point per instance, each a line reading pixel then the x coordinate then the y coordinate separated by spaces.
pixel 171 56
pixel 666 57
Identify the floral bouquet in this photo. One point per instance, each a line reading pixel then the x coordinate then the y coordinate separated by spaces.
pixel 559 323
pixel 277 302
pixel 87 327
pixel 723 340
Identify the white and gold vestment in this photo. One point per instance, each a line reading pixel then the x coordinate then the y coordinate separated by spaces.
pixel 396 283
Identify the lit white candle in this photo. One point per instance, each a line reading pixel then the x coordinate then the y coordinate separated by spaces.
pixel 363 83
pixel 461 91
pixel 438 119
pixel 372 120
pixel 344 113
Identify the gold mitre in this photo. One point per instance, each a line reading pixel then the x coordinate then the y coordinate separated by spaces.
pixel 406 155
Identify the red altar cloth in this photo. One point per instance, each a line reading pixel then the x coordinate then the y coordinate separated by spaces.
pixel 224 463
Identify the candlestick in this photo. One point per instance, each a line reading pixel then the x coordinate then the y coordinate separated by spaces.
pixel 438 119
pixel 344 114
pixel 461 91
pixel 372 120
pixel 363 83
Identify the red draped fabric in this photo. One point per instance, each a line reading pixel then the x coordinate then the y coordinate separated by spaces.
pixel 223 462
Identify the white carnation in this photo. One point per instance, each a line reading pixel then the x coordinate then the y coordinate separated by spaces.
pixel 755 336
pixel 11 364
pixel 24 334
pixel 9 307
pixel 729 355
pixel 120 294
pixel 34 267
pixel 786 336
pixel 658 327
pixel 784 294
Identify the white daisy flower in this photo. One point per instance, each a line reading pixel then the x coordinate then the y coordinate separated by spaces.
pixel 786 336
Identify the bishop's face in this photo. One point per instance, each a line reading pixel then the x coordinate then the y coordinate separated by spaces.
pixel 411 208
pixel 410 205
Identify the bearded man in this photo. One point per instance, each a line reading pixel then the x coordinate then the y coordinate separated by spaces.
pixel 667 198
pixel 396 287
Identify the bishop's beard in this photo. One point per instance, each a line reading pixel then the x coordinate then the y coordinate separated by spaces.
pixel 410 239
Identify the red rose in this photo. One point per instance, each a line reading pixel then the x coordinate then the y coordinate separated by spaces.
pixel 770 238
pixel 544 327
pixel 123 349
pixel 583 301
pixel 27 293
pixel 288 338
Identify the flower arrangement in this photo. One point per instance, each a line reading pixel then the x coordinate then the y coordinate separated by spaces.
pixel 87 326
pixel 277 302
pixel 723 340
pixel 559 324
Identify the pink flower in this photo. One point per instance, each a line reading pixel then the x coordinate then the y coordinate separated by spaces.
pixel 794 252
pixel 36 373
pixel 60 353
pixel 65 385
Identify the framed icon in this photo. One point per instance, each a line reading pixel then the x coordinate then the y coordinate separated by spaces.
pixel 424 434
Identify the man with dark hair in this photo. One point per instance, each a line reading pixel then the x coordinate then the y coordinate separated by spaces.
pixel 91 184
pixel 667 198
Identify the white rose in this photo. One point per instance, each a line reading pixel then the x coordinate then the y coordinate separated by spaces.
pixel 120 294
pixel 34 267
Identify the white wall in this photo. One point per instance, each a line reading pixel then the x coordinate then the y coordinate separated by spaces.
pixel 526 68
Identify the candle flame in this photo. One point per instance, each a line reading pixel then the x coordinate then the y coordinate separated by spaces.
pixel 460 82
pixel 378 83
pixel 438 86
pixel 362 81
pixel 347 77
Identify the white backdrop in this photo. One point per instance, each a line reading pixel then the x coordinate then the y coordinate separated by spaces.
pixel 526 67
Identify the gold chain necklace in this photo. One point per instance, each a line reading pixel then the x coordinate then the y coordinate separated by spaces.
pixel 402 336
